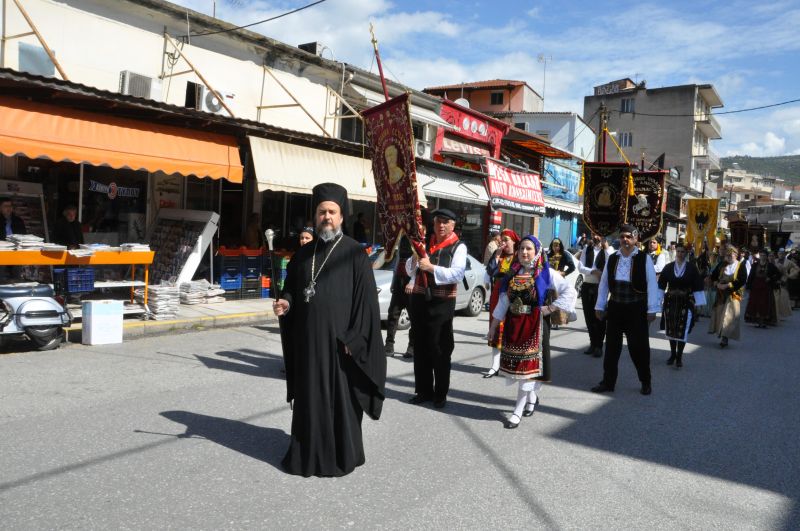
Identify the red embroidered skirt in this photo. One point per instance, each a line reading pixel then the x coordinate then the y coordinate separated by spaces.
pixel 521 354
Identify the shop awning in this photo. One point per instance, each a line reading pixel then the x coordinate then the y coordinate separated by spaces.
pixel 534 143
pixel 562 205
pixel 39 130
pixel 291 168
pixel 449 185
pixel 370 98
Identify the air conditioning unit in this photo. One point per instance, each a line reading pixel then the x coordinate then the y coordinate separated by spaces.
pixel 422 149
pixel 140 86
pixel 210 103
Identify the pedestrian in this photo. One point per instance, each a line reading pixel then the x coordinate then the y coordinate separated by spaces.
pixel 491 247
pixel 306 236
pixel 782 299
pixel 332 345
pixel 12 224
pixel 793 278
pixel 68 231
pixel 658 256
pixel 560 259
pixel 434 282
pixel 761 281
pixel 531 293
pixel 591 262
pixel 729 278
pixel 628 300
pixel 681 287
pixel 399 300
pixel 497 269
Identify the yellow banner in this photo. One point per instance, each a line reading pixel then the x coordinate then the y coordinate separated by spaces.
pixel 701 221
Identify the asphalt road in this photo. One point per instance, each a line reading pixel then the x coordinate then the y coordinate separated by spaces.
pixel 187 432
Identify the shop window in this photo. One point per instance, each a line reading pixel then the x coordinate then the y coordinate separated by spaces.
pixel 496 98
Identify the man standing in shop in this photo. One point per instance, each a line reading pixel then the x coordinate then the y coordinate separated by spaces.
pixel 68 231
pixel 12 224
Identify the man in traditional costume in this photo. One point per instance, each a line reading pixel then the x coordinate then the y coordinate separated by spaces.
pixel 332 345
pixel 532 293
pixel 591 262
pixel 681 287
pixel 629 281
pixel 761 281
pixel 497 269
pixel 728 278
pixel 434 281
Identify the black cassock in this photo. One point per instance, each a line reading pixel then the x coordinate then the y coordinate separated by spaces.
pixel 331 389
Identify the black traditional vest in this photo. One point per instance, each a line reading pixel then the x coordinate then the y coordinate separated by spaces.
pixel 599 258
pixel 444 258
pixel 638 273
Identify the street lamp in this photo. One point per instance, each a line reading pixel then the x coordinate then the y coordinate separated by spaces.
pixel 544 59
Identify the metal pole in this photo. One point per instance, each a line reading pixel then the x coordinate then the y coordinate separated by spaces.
pixel 378 60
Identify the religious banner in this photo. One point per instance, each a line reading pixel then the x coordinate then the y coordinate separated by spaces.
pixel 388 132
pixel 514 191
pixel 738 230
pixel 644 208
pixel 701 222
pixel 778 240
pixel 756 237
pixel 605 195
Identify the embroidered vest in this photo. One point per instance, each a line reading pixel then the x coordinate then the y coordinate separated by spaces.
pixel 444 258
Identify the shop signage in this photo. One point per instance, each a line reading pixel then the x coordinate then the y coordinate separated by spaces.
pixel 567 180
pixel 450 144
pixel 112 190
pixel 473 127
pixel 514 191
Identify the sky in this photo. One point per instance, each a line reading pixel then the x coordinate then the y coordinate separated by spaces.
pixel 750 51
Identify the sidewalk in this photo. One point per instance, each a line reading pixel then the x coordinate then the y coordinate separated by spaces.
pixel 192 317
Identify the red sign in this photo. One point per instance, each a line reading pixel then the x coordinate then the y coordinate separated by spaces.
pixel 472 125
pixel 514 191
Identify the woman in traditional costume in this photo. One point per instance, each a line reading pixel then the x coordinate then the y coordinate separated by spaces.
pixel 496 270
pixel 792 263
pixel 783 305
pixel 529 294
pixel 728 278
pixel 761 284
pixel 681 286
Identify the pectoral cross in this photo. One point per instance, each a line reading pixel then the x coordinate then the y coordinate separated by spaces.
pixel 309 291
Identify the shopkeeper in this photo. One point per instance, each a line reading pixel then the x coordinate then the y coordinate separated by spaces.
pixel 11 223
pixel 68 231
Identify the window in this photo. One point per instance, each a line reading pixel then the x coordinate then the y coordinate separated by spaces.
pixel 521 125
pixel 747 196
pixel 496 98
pixel 33 59
pixel 627 105
pixel 419 131
pixel 351 129
pixel 626 140
pixel 543 133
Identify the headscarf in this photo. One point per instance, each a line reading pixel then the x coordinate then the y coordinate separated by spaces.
pixel 511 234
pixel 540 270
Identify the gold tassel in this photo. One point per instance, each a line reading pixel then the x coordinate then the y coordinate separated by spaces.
pixel 583 171
pixel 631 189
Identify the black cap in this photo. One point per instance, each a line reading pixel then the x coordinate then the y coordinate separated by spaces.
pixel 330 192
pixel 443 213
pixel 626 227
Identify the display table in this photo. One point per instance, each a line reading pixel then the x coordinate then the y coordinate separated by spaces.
pixel 99 258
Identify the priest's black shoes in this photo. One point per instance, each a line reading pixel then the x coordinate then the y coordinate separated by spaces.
pixel 420 399
pixel 589 350
pixel 491 373
pixel 602 388
pixel 598 352
pixel 646 389
pixel 439 404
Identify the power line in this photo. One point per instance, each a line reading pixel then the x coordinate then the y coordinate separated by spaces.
pixel 585 126
pixel 713 113
pixel 312 4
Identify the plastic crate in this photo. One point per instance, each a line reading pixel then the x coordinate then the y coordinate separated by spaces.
pixel 265 281
pixel 265 293
pixel 232 295
pixel 251 283
pixel 251 266
pixel 228 282
pixel 73 279
pixel 250 293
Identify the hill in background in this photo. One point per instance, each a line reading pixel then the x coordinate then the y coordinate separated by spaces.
pixel 787 167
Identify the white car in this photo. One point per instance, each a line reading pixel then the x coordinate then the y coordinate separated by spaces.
pixel 469 300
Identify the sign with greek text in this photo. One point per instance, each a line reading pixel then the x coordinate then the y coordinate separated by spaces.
pixel 513 191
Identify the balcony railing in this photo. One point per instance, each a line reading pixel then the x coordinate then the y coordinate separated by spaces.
pixel 708 125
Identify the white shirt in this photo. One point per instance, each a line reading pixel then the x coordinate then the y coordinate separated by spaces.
pixel 587 271
pixel 443 275
pixel 660 263
pixel 565 297
pixel 699 296
pixel 623 274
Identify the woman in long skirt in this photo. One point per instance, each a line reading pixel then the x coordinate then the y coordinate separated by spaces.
pixel 761 308
pixel 529 294
pixel 681 287
pixel 783 305
pixel 496 270
pixel 728 278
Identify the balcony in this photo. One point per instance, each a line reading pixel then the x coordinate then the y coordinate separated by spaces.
pixel 708 125
pixel 706 159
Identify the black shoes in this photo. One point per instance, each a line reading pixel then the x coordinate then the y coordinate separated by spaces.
pixel 602 388
pixel 389 348
pixel 598 352
pixel 409 352
pixel 419 399
pixel 724 342
pixel 439 404
pixel 529 412
pixel 589 350
pixel 671 359
pixel 510 424
pixel 679 362
pixel 491 373
pixel 646 389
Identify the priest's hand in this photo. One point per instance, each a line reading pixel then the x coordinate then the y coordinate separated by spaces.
pixel 426 265
pixel 280 307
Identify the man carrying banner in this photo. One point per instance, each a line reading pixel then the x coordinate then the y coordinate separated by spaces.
pixel 591 262
pixel 628 299
pixel 432 308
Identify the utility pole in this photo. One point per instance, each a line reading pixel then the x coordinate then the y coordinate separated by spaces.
pixel 603 113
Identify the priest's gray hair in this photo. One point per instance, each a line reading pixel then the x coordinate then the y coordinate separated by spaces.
pixel 327 235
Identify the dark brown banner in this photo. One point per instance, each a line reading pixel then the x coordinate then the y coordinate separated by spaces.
pixel 605 195
pixel 644 208
pixel 388 129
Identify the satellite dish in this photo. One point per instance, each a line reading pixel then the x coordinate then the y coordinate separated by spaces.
pixel 463 102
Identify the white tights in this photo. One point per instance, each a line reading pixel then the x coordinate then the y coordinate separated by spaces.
pixel 495 359
pixel 526 395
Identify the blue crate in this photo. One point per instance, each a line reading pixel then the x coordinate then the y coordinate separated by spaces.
pixel 73 279
pixel 228 282
pixel 265 293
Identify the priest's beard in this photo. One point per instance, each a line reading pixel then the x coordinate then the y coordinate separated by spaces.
pixel 327 234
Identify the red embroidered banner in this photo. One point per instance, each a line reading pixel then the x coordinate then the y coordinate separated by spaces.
pixel 644 208
pixel 605 197
pixel 388 131
pixel 513 191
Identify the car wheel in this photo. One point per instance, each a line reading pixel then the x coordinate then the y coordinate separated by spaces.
pixel 404 321
pixel 475 305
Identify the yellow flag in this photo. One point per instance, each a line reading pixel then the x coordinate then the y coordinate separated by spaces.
pixel 701 221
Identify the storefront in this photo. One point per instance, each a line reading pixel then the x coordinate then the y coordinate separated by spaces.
pixel 562 217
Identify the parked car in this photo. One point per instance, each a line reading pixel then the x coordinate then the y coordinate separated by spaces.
pixel 469 299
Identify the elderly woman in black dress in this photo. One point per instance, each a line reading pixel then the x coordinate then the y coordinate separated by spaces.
pixel 681 287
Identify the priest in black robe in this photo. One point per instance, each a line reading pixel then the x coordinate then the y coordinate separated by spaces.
pixel 332 344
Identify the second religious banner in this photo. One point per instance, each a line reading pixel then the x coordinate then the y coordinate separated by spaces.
pixel 389 134
pixel 644 207
pixel 605 195
pixel 701 222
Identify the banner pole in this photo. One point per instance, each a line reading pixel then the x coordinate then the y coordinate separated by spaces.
pixel 378 60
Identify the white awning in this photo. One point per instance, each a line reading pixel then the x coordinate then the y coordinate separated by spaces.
pixel 447 185
pixel 291 168
pixel 564 206
pixel 372 98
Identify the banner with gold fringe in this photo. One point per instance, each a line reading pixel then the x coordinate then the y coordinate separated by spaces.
pixel 644 208
pixel 701 222
pixel 605 195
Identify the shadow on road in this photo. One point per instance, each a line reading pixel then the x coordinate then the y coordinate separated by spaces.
pixel 265 444
pixel 246 361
